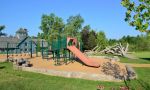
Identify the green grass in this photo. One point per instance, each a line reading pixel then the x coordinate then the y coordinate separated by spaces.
pixel 143 81
pixel 145 54
pixel 143 58
pixel 20 80
pixel 136 61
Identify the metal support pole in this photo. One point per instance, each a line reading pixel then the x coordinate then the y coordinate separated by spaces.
pixel 31 48
pixel 65 56
pixel 69 55
pixel 53 54
pixel 16 51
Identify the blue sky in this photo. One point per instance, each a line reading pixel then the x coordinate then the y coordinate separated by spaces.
pixel 105 15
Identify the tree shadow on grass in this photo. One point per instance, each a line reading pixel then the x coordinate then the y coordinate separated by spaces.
pixel 140 84
pixel 148 59
pixel 144 84
pixel 2 67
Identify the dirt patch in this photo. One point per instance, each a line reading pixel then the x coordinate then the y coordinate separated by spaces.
pixel 3 56
pixel 38 62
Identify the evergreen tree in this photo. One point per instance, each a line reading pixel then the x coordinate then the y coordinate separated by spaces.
pixel 85 36
pixel 2 27
pixel 91 40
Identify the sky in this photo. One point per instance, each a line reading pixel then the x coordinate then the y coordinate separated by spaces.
pixel 101 15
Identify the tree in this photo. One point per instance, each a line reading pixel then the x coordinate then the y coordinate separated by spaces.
pixel 73 26
pixel 52 26
pixel 101 40
pixel 112 42
pixel 92 40
pixel 138 14
pixel 85 36
pixel 138 43
pixel 2 27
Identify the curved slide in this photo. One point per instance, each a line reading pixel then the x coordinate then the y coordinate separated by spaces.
pixel 82 57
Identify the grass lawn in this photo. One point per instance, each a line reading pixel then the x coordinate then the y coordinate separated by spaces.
pixel 143 58
pixel 20 80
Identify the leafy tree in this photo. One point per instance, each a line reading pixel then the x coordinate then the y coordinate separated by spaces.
pixel 138 43
pixel 138 14
pixel 73 26
pixel 101 40
pixel 85 36
pixel 40 35
pixel 92 40
pixel 2 27
pixel 51 25
pixel 112 42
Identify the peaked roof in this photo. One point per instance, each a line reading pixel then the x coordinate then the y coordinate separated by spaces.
pixel 11 40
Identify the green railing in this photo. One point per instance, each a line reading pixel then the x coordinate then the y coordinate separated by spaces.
pixel 59 44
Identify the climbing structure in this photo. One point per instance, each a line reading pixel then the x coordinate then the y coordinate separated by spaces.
pixel 69 44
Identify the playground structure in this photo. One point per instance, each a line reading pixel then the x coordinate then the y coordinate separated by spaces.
pixel 59 55
pixel 66 48
pixel 70 45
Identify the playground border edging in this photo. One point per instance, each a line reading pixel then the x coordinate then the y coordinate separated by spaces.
pixel 69 74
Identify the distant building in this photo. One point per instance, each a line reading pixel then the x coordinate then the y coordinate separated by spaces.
pixel 20 43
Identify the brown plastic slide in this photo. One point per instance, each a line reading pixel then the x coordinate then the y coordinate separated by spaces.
pixel 82 57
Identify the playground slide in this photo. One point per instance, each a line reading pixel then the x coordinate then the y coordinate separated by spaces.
pixel 82 57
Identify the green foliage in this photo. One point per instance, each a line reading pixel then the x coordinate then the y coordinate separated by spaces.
pixel 138 14
pixel 40 35
pixel 85 36
pixel 51 25
pixel 2 27
pixel 112 42
pixel 138 43
pixel 101 40
pixel 88 37
pixel 73 26
pixel 92 40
